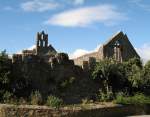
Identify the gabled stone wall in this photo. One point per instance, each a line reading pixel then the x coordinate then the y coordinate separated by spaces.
pixel 126 49
pixel 87 58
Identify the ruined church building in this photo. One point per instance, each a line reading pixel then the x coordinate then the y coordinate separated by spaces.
pixel 117 47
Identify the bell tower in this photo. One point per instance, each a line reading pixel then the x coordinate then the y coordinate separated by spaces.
pixel 41 42
pixel 42 39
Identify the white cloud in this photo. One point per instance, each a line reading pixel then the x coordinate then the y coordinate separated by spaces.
pixel 144 52
pixel 74 2
pixel 19 52
pixel 38 5
pixel 78 2
pixel 78 53
pixel 81 52
pixel 30 48
pixel 82 17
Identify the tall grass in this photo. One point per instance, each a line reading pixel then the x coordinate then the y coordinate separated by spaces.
pixel 137 99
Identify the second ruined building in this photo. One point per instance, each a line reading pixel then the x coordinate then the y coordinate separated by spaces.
pixel 118 47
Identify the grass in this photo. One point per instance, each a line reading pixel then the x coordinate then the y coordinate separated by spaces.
pixel 137 99
pixel 53 101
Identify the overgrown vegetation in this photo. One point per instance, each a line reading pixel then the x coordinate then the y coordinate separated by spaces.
pixel 105 96
pixel 36 98
pixel 129 77
pixel 132 78
pixel 53 101
pixel 137 99
pixel 5 75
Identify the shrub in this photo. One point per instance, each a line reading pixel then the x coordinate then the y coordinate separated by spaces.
pixel 36 98
pixel 68 82
pixel 85 101
pixel 104 97
pixel 137 99
pixel 71 80
pixel 22 101
pixel 7 97
pixel 53 101
pixel 120 98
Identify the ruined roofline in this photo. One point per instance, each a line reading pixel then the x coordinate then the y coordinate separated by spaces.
pixel 120 33
pixel 114 37
pixel 126 37
pixel 107 42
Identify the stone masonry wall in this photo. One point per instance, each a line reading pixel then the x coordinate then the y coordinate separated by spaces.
pixel 97 55
pixel 128 50
pixel 107 50
pixel 95 111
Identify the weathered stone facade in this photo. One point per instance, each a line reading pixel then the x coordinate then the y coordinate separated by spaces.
pixel 42 52
pixel 118 47
pixel 42 47
pixel 47 71
pixel 91 110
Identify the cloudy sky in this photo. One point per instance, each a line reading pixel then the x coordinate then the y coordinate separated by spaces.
pixel 74 26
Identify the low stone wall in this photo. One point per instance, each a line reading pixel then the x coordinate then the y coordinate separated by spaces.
pixel 93 111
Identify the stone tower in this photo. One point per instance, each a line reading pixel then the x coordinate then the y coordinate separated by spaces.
pixel 42 40
pixel 42 47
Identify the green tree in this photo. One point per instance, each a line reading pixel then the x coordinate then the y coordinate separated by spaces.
pixel 110 72
pixel 5 73
pixel 135 77
pixel 146 76
pixel 134 61
pixel 134 72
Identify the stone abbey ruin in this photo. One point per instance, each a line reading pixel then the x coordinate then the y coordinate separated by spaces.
pixel 50 72
pixel 91 85
pixel 42 52
pixel 117 47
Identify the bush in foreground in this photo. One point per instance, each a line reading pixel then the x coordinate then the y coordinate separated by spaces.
pixel 53 101
pixel 137 99
pixel 7 97
pixel 36 98
pixel 105 96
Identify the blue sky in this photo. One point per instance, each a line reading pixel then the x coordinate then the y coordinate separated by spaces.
pixel 74 26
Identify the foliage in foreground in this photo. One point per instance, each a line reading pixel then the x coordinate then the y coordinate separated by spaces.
pixel 53 101
pixel 105 96
pixel 5 74
pixel 137 99
pixel 129 77
pixel 36 98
